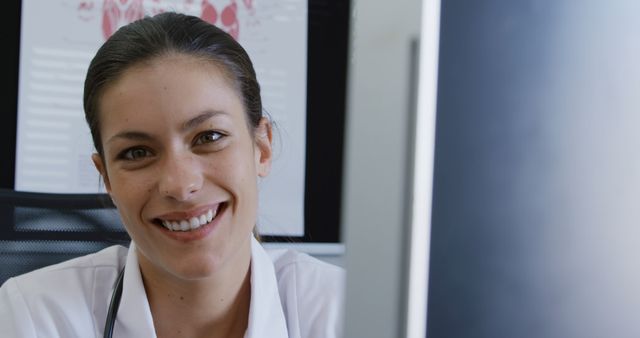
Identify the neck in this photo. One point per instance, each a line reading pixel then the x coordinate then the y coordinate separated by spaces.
pixel 217 306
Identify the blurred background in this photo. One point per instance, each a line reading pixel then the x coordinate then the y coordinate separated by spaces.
pixel 537 175
pixel 489 175
pixel 534 228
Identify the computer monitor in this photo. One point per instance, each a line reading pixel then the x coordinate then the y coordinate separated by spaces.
pixel 534 228
pixel 535 218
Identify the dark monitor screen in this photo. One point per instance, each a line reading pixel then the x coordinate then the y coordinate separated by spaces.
pixel 535 211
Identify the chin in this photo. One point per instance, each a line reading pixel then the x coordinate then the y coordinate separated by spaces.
pixel 198 267
pixel 195 273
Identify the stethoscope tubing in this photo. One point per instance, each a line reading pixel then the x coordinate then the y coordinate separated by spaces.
pixel 113 306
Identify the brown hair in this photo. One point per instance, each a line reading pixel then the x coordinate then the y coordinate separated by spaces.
pixel 161 35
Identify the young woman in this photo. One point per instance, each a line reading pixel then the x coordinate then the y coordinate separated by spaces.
pixel 174 109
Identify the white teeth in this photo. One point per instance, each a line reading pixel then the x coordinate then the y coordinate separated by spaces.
pixel 184 225
pixel 195 222
pixel 190 224
pixel 166 224
pixel 175 226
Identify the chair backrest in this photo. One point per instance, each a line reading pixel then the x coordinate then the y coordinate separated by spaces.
pixel 39 229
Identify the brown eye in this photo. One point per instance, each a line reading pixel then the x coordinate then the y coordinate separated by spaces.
pixel 133 154
pixel 208 137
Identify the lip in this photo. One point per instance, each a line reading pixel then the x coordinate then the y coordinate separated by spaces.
pixel 193 235
pixel 181 215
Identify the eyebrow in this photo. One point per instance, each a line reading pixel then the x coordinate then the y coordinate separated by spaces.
pixel 130 135
pixel 194 122
pixel 188 125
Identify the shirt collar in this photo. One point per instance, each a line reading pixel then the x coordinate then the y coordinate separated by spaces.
pixel 134 316
pixel 266 317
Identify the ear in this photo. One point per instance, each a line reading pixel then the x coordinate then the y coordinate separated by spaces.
pixel 264 153
pixel 97 161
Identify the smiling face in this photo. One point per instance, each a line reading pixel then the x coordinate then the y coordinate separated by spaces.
pixel 181 164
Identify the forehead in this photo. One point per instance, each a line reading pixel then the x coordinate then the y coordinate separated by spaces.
pixel 169 88
pixel 173 68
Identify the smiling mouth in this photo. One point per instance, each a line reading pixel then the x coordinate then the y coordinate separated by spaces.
pixel 192 223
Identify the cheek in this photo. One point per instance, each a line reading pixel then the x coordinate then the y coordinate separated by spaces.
pixel 235 166
pixel 125 188
pixel 128 192
pixel 236 174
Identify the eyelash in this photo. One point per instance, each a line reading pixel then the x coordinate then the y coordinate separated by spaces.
pixel 200 138
pixel 127 154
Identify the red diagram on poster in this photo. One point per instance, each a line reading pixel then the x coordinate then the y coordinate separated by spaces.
pixel 117 13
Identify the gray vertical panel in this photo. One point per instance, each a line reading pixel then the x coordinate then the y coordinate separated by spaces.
pixel 536 218
pixel 376 160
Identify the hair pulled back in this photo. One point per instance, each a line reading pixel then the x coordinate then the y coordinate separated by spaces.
pixel 161 35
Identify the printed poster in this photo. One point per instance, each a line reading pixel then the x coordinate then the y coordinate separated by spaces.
pixel 58 40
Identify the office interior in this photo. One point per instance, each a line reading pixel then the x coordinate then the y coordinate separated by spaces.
pixel 514 123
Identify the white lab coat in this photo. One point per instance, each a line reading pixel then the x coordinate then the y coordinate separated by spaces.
pixel 292 295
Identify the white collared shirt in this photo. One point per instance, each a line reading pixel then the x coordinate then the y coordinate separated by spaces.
pixel 292 295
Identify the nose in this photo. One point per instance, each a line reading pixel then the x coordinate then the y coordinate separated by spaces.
pixel 180 178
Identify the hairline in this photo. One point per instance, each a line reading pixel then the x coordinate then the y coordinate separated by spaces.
pixel 201 57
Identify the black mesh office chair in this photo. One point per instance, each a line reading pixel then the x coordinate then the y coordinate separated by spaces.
pixel 39 229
